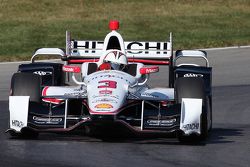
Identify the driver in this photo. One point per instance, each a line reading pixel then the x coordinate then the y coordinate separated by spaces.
pixel 116 59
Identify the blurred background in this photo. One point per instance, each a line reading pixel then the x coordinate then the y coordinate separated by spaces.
pixel 29 24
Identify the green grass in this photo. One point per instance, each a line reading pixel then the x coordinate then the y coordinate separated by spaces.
pixel 29 24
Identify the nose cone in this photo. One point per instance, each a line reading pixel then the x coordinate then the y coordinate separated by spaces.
pixel 107 91
pixel 114 25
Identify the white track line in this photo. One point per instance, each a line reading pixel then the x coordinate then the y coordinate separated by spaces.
pixel 20 62
pixel 225 48
pixel 206 49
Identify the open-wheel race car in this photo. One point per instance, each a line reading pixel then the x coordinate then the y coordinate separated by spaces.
pixel 108 91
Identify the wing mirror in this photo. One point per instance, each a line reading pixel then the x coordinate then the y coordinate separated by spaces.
pixel 148 70
pixel 73 69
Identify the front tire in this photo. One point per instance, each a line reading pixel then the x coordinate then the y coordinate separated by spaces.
pixel 193 88
pixel 26 84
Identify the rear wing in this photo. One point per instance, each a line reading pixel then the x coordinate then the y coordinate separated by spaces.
pixel 48 51
pixel 158 53
pixel 196 54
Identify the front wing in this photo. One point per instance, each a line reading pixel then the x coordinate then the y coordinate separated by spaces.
pixel 146 116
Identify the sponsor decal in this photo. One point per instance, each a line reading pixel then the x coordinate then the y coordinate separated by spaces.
pixel 105 95
pixel 17 123
pixel 104 100
pixel 104 105
pixel 149 95
pixel 88 45
pixel 134 47
pixel 42 73
pixel 115 96
pixel 74 69
pixel 107 84
pixel 189 75
pixel 168 122
pixel 80 90
pixel 193 126
pixel 105 92
pixel 146 46
pixel 41 120
pixel 148 70
pixel 82 94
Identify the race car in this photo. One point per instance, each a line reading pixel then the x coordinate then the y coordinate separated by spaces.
pixel 102 86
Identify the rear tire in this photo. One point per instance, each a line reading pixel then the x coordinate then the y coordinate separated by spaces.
pixel 193 88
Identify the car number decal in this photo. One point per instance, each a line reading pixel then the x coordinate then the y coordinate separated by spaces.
pixel 107 84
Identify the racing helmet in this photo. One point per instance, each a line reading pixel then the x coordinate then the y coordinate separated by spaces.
pixel 117 59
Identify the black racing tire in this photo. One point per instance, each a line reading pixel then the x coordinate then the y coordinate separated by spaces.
pixel 190 87
pixel 210 116
pixel 193 88
pixel 26 84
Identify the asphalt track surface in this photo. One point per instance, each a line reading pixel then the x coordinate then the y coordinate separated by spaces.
pixel 228 144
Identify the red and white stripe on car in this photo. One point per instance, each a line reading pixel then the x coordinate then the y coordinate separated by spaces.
pixel 50 100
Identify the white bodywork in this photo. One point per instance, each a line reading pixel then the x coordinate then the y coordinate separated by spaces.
pixel 158 94
pixel 19 107
pixel 133 49
pixel 191 110
pixel 107 92
pixel 64 92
